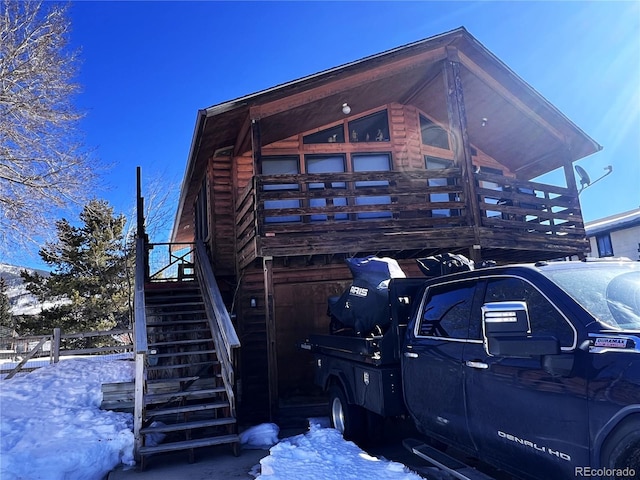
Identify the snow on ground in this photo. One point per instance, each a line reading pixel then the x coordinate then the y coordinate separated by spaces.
pixel 322 453
pixel 51 425
pixel 52 428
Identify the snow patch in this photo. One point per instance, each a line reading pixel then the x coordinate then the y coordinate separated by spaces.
pixel 51 425
pixel 323 453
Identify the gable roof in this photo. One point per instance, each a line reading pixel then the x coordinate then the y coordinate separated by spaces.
pixel 618 221
pixel 524 131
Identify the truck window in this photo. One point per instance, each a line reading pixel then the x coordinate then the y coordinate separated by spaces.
pixel 544 318
pixel 447 310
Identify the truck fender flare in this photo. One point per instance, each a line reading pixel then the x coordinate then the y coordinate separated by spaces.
pixel 337 377
pixel 602 436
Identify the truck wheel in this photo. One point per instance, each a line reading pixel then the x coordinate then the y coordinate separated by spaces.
pixel 348 419
pixel 622 449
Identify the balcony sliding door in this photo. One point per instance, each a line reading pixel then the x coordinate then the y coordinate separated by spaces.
pixel 279 166
pixel 326 164
pixel 372 162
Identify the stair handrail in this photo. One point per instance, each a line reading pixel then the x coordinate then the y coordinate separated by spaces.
pixel 224 333
pixel 140 319
pixel 140 338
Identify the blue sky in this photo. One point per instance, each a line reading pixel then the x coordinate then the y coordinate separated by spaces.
pixel 147 67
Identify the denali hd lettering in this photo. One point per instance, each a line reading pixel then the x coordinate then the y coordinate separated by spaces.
pixel 527 443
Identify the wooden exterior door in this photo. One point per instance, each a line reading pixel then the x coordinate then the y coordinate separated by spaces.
pixel 300 310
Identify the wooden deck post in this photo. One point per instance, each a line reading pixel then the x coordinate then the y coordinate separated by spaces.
pixel 256 145
pixel 138 409
pixel 272 358
pixel 55 346
pixel 462 150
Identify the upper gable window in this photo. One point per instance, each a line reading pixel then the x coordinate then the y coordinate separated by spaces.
pixel 329 135
pixel 433 134
pixel 372 128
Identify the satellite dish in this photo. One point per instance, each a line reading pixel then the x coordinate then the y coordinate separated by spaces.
pixel 585 181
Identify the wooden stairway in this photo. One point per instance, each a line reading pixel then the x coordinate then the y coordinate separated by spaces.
pixel 185 401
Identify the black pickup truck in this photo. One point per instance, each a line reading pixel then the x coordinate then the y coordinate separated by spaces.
pixel 534 369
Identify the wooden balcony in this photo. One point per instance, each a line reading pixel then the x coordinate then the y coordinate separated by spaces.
pixel 418 211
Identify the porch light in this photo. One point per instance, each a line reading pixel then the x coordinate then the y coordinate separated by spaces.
pixel 346 109
pixel 253 302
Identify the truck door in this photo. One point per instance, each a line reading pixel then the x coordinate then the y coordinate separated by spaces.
pixel 525 410
pixel 432 361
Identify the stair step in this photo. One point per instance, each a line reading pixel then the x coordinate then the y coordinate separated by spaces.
pixel 195 341
pixel 125 390
pixel 182 354
pixel 173 323
pixel 173 296
pixel 179 331
pixel 156 381
pixel 118 406
pixel 164 313
pixel 166 386
pixel 191 394
pixel 193 302
pixel 175 309
pixel 183 299
pixel 177 427
pixel 165 303
pixel 157 412
pixel 181 365
pixel 189 444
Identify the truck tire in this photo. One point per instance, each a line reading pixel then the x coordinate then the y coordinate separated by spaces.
pixel 347 418
pixel 622 448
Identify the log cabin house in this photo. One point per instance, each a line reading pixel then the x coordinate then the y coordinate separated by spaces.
pixel 428 148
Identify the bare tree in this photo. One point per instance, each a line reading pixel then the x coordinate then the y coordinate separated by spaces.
pixel 160 200
pixel 43 165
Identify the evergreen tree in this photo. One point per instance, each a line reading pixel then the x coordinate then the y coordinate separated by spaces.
pixel 90 273
pixel 5 313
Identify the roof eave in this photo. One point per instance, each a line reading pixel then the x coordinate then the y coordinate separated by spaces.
pixel 184 187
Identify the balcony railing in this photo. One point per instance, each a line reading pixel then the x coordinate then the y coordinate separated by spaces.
pixel 170 262
pixel 546 209
pixel 306 214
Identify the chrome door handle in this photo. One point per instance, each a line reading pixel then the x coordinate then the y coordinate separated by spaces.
pixel 476 364
pixel 410 355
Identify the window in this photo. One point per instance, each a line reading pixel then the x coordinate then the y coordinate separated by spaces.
pixel 202 217
pixel 279 166
pixel 433 134
pixel 372 128
pixel 326 164
pixel 372 162
pixel 434 163
pixel 544 318
pixel 447 311
pixel 605 248
pixel 491 186
pixel 329 135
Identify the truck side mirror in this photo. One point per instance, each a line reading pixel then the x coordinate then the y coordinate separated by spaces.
pixel 505 318
pixel 507 332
